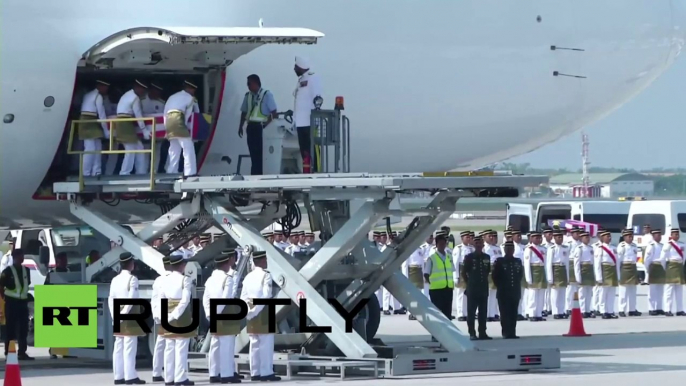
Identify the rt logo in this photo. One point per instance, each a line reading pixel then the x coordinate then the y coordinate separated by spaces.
pixel 66 316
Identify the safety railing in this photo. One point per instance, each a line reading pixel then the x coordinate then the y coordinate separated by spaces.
pixel 112 139
pixel 330 140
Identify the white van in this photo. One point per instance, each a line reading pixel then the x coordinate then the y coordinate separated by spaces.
pixel 659 214
pixel 609 215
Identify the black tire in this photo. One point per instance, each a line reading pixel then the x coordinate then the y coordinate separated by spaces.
pixel 373 317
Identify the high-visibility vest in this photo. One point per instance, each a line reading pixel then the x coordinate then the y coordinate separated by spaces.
pixel 19 291
pixel 256 110
pixel 441 272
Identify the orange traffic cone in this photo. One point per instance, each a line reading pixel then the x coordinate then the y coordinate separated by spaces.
pixel 576 324
pixel 12 373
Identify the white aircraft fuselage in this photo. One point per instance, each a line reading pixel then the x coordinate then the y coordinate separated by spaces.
pixel 429 85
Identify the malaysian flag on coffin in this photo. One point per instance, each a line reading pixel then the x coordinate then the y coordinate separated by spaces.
pixel 591 228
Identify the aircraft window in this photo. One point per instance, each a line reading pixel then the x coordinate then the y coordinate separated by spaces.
pixel 681 217
pixel 655 220
pixel 614 223
pixel 49 101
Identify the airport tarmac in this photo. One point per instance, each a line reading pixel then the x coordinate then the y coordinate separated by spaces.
pixel 626 351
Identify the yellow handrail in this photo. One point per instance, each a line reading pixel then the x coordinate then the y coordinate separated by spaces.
pixel 80 153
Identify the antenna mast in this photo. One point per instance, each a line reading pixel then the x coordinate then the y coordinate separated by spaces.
pixel 585 162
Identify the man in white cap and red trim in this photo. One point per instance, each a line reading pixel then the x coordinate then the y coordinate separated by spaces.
pixel 92 133
pixel 627 256
pixel 673 256
pixel 582 260
pixel 152 105
pixel 129 106
pixel 178 118
pixel 308 89
pixel 655 273
pixel 606 270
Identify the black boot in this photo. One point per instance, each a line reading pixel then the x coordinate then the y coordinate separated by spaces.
pixel 136 381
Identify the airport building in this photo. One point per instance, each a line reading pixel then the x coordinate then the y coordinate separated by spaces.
pixel 607 185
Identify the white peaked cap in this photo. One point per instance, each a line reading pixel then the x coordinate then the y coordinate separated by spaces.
pixel 302 62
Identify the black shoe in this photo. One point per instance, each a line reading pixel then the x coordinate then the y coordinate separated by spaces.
pixel 613 316
pixel 230 380
pixel 236 375
pixel 452 317
pixel 473 337
pixel 497 318
pixel 256 378
pixel 669 313
pixel 25 357
pixel 402 311
pixel 119 382
pixel 169 384
pixel 558 317
pixel 520 317
pixel 681 313
pixel 607 316
pixel 623 315
pixel 511 337
pixel 161 379
pixel 586 315
pixel 412 317
pixel 660 312
pixel 271 378
pixel 484 337
pixel 53 356
pixel 653 313
pixel 187 382
pixel 387 312
pixel 462 319
pixel 136 381
pixel 490 319
pixel 215 380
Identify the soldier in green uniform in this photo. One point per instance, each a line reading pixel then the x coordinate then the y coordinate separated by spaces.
pixel 507 275
pixel 477 270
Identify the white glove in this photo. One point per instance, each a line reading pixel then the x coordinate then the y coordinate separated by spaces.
pixel 146 133
pixel 106 133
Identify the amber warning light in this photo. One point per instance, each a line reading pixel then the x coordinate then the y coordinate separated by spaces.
pixel 339 103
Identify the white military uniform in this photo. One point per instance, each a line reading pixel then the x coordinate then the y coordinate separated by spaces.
pixel 129 104
pixel 572 287
pixel 92 104
pixel 596 288
pixel 124 286
pixel 160 343
pixel 557 255
pixel 459 254
pixel 185 102
pixel 673 256
pixel 627 254
pixel 605 255
pixel 308 87
pixel 583 255
pixel 151 107
pixel 176 286
pixel 389 301
pixel 547 302
pixel 292 249
pixel 653 255
pixel 534 255
pixel 258 285
pixel 282 245
pixel 220 285
pixel 494 252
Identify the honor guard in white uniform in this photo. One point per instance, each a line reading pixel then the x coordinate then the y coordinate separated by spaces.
pixel 572 287
pixel 596 288
pixel 534 272
pixel 413 269
pixel 154 104
pixel 459 278
pixel 307 90
pixel 177 288
pixel 557 273
pixel 390 303
pixel 627 256
pixel 92 133
pixel 6 259
pixel 222 285
pixel 582 258
pixel 519 254
pixel 606 270
pixel 673 256
pixel 491 249
pixel 125 286
pixel 294 243
pixel 178 112
pixel 279 242
pixel 656 268
pixel 129 106
pixel 381 239
pixel 156 305
pixel 547 242
pixel 258 285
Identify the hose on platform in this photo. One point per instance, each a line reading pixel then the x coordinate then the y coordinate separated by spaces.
pixel 292 219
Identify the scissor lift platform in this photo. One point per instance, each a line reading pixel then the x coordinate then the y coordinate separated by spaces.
pixel 328 199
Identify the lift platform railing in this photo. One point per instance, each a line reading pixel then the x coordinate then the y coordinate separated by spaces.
pixel 330 139
pixel 113 126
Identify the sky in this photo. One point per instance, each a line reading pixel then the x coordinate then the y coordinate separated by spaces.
pixel 647 132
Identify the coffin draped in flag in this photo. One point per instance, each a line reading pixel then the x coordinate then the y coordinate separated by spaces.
pixel 200 125
pixel 592 229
